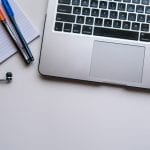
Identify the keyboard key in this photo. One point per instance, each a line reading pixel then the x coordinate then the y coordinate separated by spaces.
pixel 67 27
pixel 122 16
pixel 103 4
pixel 98 21
pixel 85 3
pixel 95 12
pixel 104 13
pixel 147 10
pixel 86 11
pixel 65 17
pixel 135 26
pixel 76 28
pixel 130 8
pixel 107 23
pixel 145 2
pixel 141 18
pixel 148 19
pixel 58 26
pixel 113 14
pixel 136 1
pixel 145 27
pixel 87 30
pixel 94 3
pixel 131 17
pixel 126 25
pixel 145 37
pixel 80 19
pixel 115 33
pixel 112 5
pixel 127 1
pixel 117 24
pixel 89 20
pixel 121 6
pixel 75 2
pixel 64 9
pixel 77 10
pixel 64 1
pixel 139 9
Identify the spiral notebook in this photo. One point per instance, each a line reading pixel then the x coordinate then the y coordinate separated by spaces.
pixel 7 48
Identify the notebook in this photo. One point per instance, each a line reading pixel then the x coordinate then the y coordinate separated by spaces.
pixel 7 47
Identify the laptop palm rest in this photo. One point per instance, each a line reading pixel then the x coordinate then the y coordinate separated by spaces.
pixel 117 62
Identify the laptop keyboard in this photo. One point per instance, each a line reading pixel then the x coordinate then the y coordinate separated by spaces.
pixel 124 19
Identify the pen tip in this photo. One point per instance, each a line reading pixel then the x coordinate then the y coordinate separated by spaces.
pixel 2 15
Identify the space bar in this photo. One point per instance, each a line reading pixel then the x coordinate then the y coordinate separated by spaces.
pixel 122 34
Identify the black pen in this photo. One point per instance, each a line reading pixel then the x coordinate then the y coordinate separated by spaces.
pixel 13 37
pixel 10 14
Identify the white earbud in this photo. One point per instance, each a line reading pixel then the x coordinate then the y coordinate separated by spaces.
pixel 9 77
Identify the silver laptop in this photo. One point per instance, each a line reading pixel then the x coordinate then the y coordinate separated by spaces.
pixel 98 40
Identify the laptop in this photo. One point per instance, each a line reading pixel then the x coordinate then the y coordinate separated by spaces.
pixel 104 41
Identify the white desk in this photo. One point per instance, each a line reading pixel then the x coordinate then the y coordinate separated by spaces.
pixel 38 114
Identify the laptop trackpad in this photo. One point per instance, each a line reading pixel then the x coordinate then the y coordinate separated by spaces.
pixel 117 62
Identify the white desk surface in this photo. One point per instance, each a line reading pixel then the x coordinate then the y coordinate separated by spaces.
pixel 38 114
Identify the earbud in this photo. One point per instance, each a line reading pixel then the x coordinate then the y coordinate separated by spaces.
pixel 9 77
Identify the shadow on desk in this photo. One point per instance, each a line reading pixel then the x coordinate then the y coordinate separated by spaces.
pixel 94 84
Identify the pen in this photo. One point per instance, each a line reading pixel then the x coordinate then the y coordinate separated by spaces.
pixel 11 16
pixel 13 36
